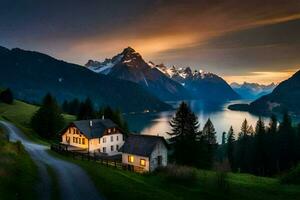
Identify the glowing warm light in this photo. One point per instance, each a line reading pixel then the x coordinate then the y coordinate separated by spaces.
pixel 261 77
pixel 143 162
pixel 130 159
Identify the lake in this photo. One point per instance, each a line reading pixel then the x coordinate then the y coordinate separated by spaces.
pixel 220 115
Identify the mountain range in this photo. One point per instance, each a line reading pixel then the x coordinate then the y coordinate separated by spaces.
pixel 167 83
pixel 252 90
pixel 32 74
pixel 285 97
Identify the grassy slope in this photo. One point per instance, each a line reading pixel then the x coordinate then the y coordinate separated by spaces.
pixel 17 171
pixel 117 184
pixel 20 114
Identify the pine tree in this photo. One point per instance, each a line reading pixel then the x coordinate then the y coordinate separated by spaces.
pixel 230 148
pixel 260 154
pixel 86 110
pixel 184 133
pixel 74 107
pixel 209 141
pixel 48 120
pixel 223 138
pixel 65 107
pixel 287 148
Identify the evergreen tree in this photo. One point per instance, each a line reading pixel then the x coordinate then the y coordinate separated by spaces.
pixel 260 155
pixel 230 148
pixel 65 107
pixel 209 142
pixel 223 138
pixel 86 110
pixel 185 134
pixel 6 96
pixel 287 149
pixel 74 107
pixel 48 120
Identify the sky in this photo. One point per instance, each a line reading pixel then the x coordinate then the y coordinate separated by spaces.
pixel 240 40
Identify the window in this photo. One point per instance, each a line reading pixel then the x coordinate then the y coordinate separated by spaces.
pixel 117 138
pixel 69 130
pixel 104 149
pixel 117 146
pixel 123 137
pixel 74 131
pixel 109 130
pixel 111 148
pixel 83 141
pixel 73 140
pixel 111 138
pixel 79 140
pixel 76 140
pixel 130 159
pixel 143 162
pixel 104 139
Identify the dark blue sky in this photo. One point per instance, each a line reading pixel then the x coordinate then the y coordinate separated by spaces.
pixel 254 40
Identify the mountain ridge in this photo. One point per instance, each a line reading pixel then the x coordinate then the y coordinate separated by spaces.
pixel 32 74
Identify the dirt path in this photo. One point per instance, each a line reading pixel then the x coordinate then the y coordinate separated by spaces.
pixel 74 183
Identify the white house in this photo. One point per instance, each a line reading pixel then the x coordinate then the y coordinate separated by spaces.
pixel 97 135
pixel 142 153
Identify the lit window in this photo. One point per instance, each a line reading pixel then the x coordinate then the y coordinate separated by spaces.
pixel 83 141
pixel 130 159
pixel 111 148
pixel 111 138
pixel 104 149
pixel 143 162
pixel 109 130
pixel 104 140
pixel 73 140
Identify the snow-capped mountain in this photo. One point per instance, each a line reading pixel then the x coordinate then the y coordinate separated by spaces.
pixel 201 84
pixel 129 65
pixel 167 83
pixel 252 90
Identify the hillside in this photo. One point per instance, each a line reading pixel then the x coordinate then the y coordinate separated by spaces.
pixel 285 97
pixel 115 184
pixel 31 75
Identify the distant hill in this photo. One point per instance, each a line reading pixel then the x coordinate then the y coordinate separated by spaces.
pixel 252 90
pixel 285 97
pixel 31 75
pixel 129 65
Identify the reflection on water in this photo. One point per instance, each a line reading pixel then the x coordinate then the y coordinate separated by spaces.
pixel 222 118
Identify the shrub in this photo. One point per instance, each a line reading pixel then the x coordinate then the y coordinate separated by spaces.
pixel 292 177
pixel 179 174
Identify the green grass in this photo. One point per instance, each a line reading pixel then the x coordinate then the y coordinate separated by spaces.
pixel 20 113
pixel 18 173
pixel 120 184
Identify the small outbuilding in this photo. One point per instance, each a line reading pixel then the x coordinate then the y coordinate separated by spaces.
pixel 143 153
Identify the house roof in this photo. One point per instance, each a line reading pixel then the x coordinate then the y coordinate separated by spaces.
pixel 94 128
pixel 141 145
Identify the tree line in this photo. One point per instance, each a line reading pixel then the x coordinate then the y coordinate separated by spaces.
pixel 49 119
pixel 265 150
pixel 6 96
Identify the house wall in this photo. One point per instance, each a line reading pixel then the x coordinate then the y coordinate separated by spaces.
pixel 159 150
pixel 72 136
pixel 114 141
pixel 136 161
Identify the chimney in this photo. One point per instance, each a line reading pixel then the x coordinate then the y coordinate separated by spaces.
pixel 102 117
pixel 91 123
